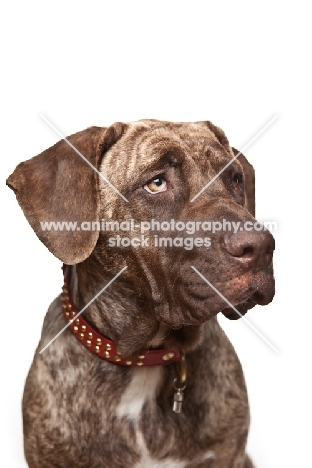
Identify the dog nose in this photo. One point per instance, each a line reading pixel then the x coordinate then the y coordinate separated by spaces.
pixel 251 248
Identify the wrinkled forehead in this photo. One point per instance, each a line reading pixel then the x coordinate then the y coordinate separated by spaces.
pixel 150 145
pixel 148 148
pixel 147 141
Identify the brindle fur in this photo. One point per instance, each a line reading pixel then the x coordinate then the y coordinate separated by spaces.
pixel 71 395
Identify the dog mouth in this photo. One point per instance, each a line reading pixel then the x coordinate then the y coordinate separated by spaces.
pixel 241 309
pixel 198 303
pixel 258 298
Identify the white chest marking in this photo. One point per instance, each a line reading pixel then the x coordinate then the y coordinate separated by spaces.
pixel 143 386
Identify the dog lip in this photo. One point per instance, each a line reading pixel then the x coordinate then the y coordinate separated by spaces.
pixel 260 298
pixel 257 298
pixel 242 308
pixel 204 293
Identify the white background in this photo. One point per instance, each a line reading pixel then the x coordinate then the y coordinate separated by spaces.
pixel 235 63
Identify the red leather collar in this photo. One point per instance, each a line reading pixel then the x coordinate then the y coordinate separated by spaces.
pixel 102 346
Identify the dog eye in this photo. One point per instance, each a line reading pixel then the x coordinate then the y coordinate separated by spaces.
pixel 237 180
pixel 156 185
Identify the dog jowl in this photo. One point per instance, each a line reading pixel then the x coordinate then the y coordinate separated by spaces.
pixel 159 301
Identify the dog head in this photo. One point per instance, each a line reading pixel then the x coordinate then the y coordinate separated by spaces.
pixel 155 172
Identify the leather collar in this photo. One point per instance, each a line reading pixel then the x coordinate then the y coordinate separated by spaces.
pixel 104 347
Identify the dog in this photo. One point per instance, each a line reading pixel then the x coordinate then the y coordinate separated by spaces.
pixel 142 375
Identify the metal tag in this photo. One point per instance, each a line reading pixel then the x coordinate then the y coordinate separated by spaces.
pixel 179 385
pixel 177 400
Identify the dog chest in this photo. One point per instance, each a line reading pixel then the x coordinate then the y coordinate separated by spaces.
pixel 142 390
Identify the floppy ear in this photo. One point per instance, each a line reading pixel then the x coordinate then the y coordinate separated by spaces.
pixel 58 185
pixel 249 177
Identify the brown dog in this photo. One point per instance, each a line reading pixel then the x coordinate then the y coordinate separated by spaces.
pixel 102 393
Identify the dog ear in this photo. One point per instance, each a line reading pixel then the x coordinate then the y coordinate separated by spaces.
pixel 222 138
pixel 58 185
pixel 249 177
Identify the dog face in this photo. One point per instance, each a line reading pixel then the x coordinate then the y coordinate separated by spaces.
pixel 159 167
